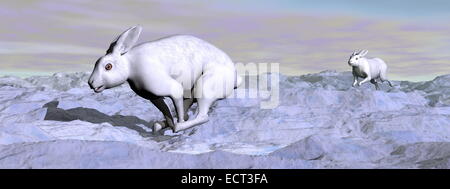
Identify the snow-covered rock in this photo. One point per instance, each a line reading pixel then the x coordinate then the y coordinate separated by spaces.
pixel 321 122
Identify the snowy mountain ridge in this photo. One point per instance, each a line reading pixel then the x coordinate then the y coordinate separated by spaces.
pixel 321 122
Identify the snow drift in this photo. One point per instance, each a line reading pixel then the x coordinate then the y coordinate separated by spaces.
pixel 321 122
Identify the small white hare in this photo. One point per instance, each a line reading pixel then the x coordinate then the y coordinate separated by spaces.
pixel 181 67
pixel 370 69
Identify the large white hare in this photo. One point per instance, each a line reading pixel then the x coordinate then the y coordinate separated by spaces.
pixel 370 69
pixel 181 67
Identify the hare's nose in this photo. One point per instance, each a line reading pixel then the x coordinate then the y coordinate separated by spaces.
pixel 90 83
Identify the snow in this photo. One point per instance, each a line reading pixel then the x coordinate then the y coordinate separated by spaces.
pixel 321 122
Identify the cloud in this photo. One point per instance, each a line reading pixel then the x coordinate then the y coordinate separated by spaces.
pixel 7 47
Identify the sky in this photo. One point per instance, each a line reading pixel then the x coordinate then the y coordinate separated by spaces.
pixel 41 37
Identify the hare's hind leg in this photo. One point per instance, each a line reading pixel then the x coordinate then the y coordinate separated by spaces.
pixel 383 78
pixel 387 81
pixel 209 87
pixel 205 95
pixel 201 117
pixel 373 81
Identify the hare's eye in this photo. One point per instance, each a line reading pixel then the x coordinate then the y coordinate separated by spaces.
pixel 356 58
pixel 108 66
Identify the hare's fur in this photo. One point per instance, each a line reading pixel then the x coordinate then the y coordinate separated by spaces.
pixel 370 69
pixel 181 67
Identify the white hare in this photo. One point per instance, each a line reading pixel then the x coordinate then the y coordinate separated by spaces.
pixel 181 67
pixel 370 69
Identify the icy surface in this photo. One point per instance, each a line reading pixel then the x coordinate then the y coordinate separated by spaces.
pixel 321 122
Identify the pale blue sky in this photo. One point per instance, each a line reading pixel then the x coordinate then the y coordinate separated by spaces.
pixel 45 36
pixel 394 9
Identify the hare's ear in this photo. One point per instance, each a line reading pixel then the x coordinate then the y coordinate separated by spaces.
pixel 123 43
pixel 363 52
pixel 354 53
